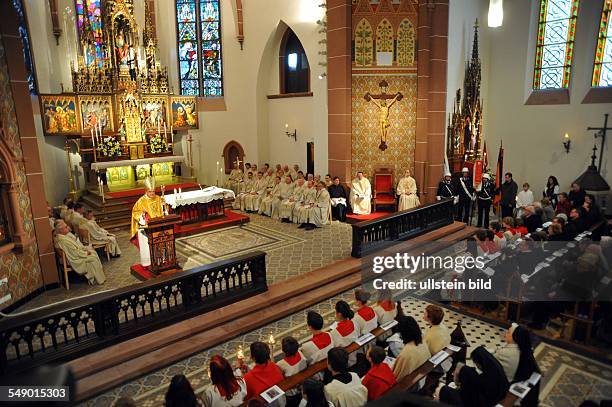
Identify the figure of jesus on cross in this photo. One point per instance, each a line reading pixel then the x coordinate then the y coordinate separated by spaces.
pixel 380 101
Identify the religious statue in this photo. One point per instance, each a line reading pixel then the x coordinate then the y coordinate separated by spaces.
pixel 383 115
pixel 148 206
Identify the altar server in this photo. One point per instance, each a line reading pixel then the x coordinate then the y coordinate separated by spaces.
pixel 407 192
pixel 361 195
pixel 365 318
pixel 147 207
pixel 98 235
pixel 321 342
pixel 83 260
pixel 345 389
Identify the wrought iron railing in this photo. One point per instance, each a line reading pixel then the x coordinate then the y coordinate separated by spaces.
pixel 376 234
pixel 77 327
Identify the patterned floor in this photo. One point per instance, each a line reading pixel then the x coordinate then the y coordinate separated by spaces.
pixel 567 377
pixel 290 252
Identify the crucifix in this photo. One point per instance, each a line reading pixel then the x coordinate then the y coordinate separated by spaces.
pixel 380 101
pixel 601 132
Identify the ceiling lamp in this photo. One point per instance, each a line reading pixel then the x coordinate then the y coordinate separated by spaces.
pixel 496 13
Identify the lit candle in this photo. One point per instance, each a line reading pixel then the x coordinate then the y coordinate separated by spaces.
pixel 271 340
pixel 240 353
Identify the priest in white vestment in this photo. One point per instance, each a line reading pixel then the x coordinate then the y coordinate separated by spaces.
pixel 265 207
pixel 257 192
pixel 300 211
pixel 407 192
pixel 147 207
pixel 361 195
pixel 83 259
pixel 319 212
pixel 98 235
pixel 287 205
pixel 243 189
pixel 285 191
pixel 234 180
pixel 77 219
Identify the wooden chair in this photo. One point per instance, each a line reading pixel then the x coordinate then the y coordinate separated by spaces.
pixel 61 257
pixel 86 240
pixel 384 192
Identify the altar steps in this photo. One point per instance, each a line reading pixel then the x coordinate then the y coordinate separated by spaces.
pixel 109 367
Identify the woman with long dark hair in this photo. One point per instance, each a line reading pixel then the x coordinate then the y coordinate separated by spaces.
pixel 551 190
pixel 313 394
pixel 225 390
pixel 180 393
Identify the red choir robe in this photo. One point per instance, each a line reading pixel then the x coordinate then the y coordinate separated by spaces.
pixel 378 380
pixel 261 378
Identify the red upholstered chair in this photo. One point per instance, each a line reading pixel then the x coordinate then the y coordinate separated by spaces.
pixel 384 193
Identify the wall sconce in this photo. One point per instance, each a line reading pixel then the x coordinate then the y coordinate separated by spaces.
pixel 323 75
pixel 290 135
pixel 566 143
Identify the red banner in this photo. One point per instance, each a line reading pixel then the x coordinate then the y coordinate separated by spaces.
pixel 478 168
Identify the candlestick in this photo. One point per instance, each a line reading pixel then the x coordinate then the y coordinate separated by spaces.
pixel 271 341
pixel 165 135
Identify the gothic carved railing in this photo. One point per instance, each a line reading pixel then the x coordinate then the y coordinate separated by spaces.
pixel 74 328
pixel 382 232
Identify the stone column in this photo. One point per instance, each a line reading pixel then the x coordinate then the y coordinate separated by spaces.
pixel 339 88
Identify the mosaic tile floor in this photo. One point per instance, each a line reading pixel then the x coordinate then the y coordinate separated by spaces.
pixel 289 252
pixel 567 377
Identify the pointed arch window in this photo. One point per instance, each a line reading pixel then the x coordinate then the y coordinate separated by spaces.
pixel 364 45
pixel 384 43
pixel 602 70
pixel 89 24
pixel 198 30
pixel 293 65
pixel 405 43
pixel 555 44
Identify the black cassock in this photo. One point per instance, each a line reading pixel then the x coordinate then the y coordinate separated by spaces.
pixel 338 211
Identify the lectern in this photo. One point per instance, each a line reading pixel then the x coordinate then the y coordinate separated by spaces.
pixel 160 232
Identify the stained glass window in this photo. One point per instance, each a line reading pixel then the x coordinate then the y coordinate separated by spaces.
pixel 89 23
pixel 199 47
pixel 555 46
pixel 27 52
pixel 602 72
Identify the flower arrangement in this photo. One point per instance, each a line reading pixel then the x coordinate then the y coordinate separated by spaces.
pixel 109 147
pixel 157 144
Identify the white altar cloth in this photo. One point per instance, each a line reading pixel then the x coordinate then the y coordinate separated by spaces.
pixel 102 165
pixel 198 196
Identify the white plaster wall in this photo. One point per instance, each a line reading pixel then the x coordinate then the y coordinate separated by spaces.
pixel 250 118
pixel 531 135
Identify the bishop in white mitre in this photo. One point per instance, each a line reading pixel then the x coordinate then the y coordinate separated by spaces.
pixel 407 192
pixel 99 235
pixel 83 259
pixel 361 195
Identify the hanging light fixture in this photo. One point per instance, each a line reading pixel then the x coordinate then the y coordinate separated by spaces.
pixel 496 13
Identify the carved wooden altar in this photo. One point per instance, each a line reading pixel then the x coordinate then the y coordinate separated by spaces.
pixel 121 106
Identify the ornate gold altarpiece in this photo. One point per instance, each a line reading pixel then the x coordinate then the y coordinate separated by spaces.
pixel 121 112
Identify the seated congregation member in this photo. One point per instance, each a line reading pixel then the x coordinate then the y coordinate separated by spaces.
pixel 380 378
pixel 576 195
pixel 548 211
pixel 385 308
pixel 437 336
pixel 300 211
pixel 345 388
pixel 346 332
pixel 468 392
pixel 257 192
pixel 181 394
pixel 318 212
pixel 407 192
pixel 498 234
pixel 516 357
pixel 590 211
pixel 287 206
pixel 272 195
pixel 508 354
pixel 313 394
pixel 485 242
pixel 67 216
pixel 551 190
pixel 76 218
pixel 98 235
pixel 492 378
pixel 52 216
pixel 225 389
pixel 328 181
pixel 243 190
pixel 338 197
pixel 285 190
pixel 531 220
pixel 519 226
pixel 365 318
pixel 321 342
pixel 414 353
pixel 361 195
pixel 66 204
pixel 293 363
pixel 563 204
pixel 523 199
pixel 82 259
pixel 575 225
pixel 264 374
pixel 555 233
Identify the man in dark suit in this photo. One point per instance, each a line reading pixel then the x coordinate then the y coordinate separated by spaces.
pixel 508 196
pixel 466 196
